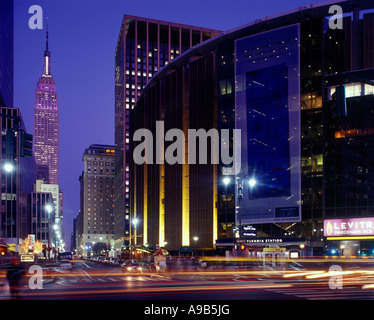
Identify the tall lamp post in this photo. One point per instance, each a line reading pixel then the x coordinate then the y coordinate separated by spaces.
pixel 135 222
pixel 9 167
pixel 252 182
pixel 226 182
pixel 195 238
pixel 49 209
pixel 55 228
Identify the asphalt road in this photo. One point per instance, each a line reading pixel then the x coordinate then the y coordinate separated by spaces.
pixel 95 281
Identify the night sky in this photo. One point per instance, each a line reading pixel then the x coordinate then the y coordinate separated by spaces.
pixel 82 40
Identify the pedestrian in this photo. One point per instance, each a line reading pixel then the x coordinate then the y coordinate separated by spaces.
pixel 14 276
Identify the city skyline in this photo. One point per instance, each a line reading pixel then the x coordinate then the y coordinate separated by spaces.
pixel 149 214
pixel 86 90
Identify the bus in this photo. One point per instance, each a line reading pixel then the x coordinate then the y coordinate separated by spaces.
pixel 67 255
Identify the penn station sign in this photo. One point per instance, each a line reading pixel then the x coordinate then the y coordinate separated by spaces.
pixel 350 227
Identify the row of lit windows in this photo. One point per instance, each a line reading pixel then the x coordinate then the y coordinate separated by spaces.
pixel 354 90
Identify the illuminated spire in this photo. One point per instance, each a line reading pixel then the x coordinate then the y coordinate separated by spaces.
pixel 47 57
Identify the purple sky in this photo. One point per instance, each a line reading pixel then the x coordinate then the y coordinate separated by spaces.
pixel 82 39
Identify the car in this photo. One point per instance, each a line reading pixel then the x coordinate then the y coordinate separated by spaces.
pixel 114 262
pixel 66 265
pixel 119 262
pixel 106 260
pixel 130 266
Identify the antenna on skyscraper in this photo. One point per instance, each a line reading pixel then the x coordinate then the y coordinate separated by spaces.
pixel 46 40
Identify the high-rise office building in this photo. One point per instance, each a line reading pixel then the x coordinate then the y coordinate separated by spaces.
pixel 42 217
pixel 17 167
pixel 46 124
pixel 6 53
pixel 97 184
pixel 17 176
pixel 144 47
pixel 57 199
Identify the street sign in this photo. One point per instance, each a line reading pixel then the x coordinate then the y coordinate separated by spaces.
pixel 27 258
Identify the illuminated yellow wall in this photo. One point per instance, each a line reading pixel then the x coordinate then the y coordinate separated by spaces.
pixel 185 181
pixel 145 217
pixel 185 206
pixel 215 209
pixel 162 207
pixel 215 177
pixel 134 211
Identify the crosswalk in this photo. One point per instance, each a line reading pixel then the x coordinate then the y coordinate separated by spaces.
pixel 350 293
pixel 86 279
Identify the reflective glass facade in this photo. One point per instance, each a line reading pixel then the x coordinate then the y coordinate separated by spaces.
pixel 268 143
pixel 334 160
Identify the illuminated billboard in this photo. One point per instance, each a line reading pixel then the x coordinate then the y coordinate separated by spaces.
pixel 267 111
pixel 350 227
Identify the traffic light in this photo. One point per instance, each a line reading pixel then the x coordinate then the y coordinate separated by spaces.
pixel 26 144
pixel 10 143
pixel 339 105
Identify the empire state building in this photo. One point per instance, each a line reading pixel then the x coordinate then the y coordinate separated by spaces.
pixel 46 124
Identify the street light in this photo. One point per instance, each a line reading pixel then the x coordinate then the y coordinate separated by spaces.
pixel 49 208
pixel 135 221
pixel 226 180
pixel 252 182
pixel 8 167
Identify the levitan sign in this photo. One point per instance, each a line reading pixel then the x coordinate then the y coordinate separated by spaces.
pixel 348 227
